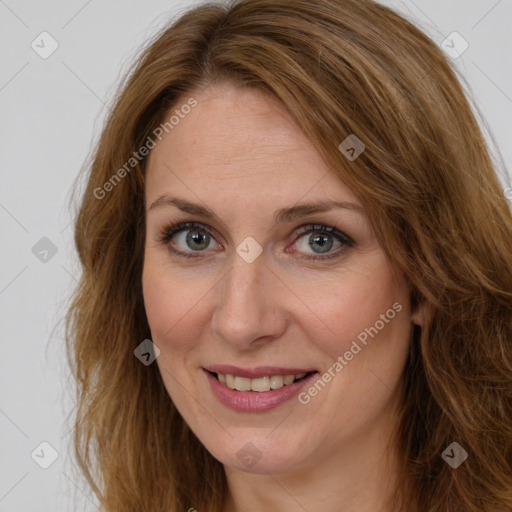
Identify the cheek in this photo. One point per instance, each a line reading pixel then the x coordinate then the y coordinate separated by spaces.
pixel 365 348
pixel 365 304
pixel 170 306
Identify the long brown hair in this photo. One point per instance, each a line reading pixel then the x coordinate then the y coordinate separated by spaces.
pixel 427 179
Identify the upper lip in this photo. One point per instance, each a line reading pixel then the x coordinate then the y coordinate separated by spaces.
pixel 256 372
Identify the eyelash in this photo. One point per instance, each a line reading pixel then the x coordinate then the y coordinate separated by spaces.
pixel 166 234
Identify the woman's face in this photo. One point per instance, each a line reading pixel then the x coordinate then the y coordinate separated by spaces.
pixel 262 287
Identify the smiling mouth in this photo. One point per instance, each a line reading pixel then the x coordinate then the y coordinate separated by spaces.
pixel 260 384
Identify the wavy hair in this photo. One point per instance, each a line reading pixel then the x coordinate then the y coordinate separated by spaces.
pixel 430 185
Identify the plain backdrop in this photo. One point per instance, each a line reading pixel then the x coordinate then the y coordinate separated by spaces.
pixel 51 112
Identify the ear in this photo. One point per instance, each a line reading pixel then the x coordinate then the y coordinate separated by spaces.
pixel 420 315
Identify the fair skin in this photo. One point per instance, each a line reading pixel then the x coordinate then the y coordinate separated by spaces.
pixel 240 154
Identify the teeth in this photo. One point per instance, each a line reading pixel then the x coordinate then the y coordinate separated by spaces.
pixel 242 384
pixel 261 384
pixel 276 381
pixel 288 379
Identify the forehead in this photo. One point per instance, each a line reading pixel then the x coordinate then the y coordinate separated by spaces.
pixel 241 141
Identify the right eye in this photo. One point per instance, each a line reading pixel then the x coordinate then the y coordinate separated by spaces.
pixel 190 237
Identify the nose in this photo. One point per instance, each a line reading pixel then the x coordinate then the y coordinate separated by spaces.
pixel 250 310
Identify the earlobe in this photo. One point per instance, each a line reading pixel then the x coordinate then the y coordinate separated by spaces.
pixel 420 315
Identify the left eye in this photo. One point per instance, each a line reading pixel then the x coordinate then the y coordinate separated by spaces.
pixel 321 240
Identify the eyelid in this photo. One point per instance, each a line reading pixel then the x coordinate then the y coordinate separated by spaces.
pixel 307 228
pixel 345 241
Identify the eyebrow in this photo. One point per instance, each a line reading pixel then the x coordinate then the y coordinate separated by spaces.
pixel 281 216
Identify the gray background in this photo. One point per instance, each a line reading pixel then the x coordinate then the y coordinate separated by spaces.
pixel 51 113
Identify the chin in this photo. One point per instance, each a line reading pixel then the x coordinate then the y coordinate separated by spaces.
pixel 256 453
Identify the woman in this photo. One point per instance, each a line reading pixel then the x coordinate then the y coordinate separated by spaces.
pixel 297 275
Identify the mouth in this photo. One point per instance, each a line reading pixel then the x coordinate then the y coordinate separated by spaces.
pixel 260 384
pixel 257 389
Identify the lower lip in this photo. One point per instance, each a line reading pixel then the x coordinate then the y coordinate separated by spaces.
pixel 254 401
